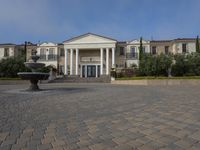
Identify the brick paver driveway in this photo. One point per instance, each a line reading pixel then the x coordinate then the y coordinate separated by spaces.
pixel 100 116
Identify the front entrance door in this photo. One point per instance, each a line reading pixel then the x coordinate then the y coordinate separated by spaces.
pixel 91 71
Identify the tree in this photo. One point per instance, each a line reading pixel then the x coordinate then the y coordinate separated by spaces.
pixel 197 45
pixel 140 49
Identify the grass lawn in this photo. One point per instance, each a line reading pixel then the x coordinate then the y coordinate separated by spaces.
pixel 157 78
pixel 5 78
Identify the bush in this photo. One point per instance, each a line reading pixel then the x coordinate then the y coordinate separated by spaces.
pixel 154 65
pixel 11 66
pixel 186 65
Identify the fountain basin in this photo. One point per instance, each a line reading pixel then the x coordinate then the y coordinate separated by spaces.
pixel 34 65
pixel 33 75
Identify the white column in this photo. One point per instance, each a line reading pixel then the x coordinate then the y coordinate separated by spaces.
pixel 113 57
pixel 81 72
pixel 101 60
pixel 107 61
pixel 66 61
pixel 71 61
pixel 77 52
pixel 96 71
pixel 85 71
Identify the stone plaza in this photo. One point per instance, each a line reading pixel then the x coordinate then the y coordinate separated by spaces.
pixel 100 116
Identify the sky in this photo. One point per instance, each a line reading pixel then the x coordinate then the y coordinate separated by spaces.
pixel 59 20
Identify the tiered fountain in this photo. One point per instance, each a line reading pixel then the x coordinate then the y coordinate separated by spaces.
pixel 34 76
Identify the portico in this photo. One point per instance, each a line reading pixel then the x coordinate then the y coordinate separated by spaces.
pixel 89 55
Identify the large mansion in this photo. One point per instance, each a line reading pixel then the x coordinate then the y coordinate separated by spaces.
pixel 92 55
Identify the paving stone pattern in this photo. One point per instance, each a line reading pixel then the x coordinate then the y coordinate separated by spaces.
pixel 100 116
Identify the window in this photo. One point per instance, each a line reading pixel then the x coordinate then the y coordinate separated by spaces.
pixel 51 51
pixel 42 54
pixel 133 51
pixel 62 52
pixel 166 49
pixel 184 47
pixel 154 50
pixel 6 52
pixel 51 55
pixel 121 51
pixel 42 51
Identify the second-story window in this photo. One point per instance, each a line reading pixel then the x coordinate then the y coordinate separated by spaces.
pixel 184 47
pixel 42 51
pixel 51 54
pixel 154 50
pixel 62 52
pixel 121 51
pixel 133 51
pixel 6 52
pixel 166 49
pixel 51 51
pixel 42 54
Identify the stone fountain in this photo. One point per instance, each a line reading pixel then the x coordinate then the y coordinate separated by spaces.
pixel 34 76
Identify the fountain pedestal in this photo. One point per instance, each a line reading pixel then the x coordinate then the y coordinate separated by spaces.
pixel 34 85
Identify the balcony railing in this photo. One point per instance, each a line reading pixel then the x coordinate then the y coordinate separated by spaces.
pixel 51 57
pixel 132 55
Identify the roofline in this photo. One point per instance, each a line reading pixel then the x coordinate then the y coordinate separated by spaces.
pixel 73 38
pixel 7 44
pixel 160 41
pixel 184 39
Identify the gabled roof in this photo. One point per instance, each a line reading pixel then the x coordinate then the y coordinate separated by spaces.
pixel 160 41
pixel 184 39
pixel 7 44
pixel 87 34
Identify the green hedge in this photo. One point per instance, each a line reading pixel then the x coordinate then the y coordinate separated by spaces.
pixel 167 65
pixel 158 78
pixel 155 65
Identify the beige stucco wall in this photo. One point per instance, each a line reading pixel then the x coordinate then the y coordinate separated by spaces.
pixel 11 51
pixel 160 46
pixel 177 46
pixel 120 59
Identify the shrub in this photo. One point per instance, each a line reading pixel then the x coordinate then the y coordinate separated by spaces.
pixel 186 65
pixel 155 65
pixel 11 66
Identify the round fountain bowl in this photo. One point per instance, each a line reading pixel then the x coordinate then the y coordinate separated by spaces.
pixel 33 65
pixel 33 75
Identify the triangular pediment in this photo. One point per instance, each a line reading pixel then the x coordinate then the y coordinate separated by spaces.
pixel 137 41
pixel 47 44
pixel 89 38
